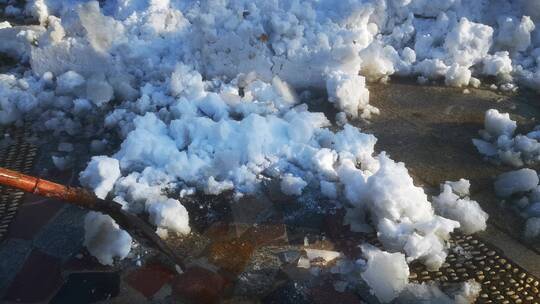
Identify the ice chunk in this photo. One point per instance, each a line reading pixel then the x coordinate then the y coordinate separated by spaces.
pixel 532 228
pixel 68 82
pixel 387 274
pixel 467 212
pixel 100 175
pixel 522 180
pixel 292 185
pixel 104 239
pixel 348 92
pixel 170 214
pixel 497 124
pixel 326 255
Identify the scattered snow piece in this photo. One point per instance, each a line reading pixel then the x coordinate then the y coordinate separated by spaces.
pixel 387 274
pixel 348 92
pixel 467 212
pixel 292 185
pixel 497 124
pixel 326 255
pixel 466 91
pixel 104 239
pixel 100 175
pixel 170 214
pixel 469 292
pixel 522 180
pixel 303 263
pixel 532 228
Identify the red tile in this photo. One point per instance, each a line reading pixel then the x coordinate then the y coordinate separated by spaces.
pixel 199 285
pixel 37 281
pixel 31 217
pixel 150 278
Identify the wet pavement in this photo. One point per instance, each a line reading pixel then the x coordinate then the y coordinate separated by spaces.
pixel 250 250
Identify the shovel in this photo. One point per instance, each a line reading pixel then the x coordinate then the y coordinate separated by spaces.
pixel 83 198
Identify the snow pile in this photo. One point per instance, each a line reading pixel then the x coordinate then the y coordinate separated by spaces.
pixel 454 203
pixel 499 144
pixel 104 239
pixel 100 175
pixel 404 217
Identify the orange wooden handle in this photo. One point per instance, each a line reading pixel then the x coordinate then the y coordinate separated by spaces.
pixel 38 186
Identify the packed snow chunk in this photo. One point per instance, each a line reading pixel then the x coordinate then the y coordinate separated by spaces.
pixel 347 92
pixel 497 124
pixel 514 35
pixel 469 292
pixel 292 185
pixel 455 205
pixel 326 255
pixel 100 175
pixel 104 239
pixel 532 228
pixel 484 147
pixel 99 91
pixel 457 76
pixel 378 61
pixel 522 180
pixel 169 214
pixel 468 42
pixel 461 187
pixel 497 64
pixel 214 187
pixel 387 274
pixel 68 82
pixel 101 31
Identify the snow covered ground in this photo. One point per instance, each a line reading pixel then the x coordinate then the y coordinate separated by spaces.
pixel 210 97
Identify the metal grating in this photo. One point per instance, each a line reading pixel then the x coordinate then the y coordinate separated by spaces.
pixel 20 156
pixel 502 280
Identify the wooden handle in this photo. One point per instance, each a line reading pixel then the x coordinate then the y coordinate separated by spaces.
pixel 38 186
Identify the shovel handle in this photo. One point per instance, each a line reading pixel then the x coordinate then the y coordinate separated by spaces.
pixel 41 187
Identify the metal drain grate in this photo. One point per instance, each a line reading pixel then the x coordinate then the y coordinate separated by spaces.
pixel 470 258
pixel 20 156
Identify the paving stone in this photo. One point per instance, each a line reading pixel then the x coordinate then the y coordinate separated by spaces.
pixel 13 254
pixel 288 293
pixel 63 237
pixel 37 281
pixel 88 288
pixel 150 278
pixel 32 217
pixel 327 294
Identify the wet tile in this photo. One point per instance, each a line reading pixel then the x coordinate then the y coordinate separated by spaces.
pixel 83 262
pixel 88 288
pixel 13 254
pixel 32 217
pixel 327 294
pixel 251 210
pixel 37 281
pixel 63 236
pixel 288 293
pixel 232 255
pixel 150 278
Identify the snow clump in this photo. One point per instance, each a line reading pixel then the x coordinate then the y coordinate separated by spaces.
pixel 499 144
